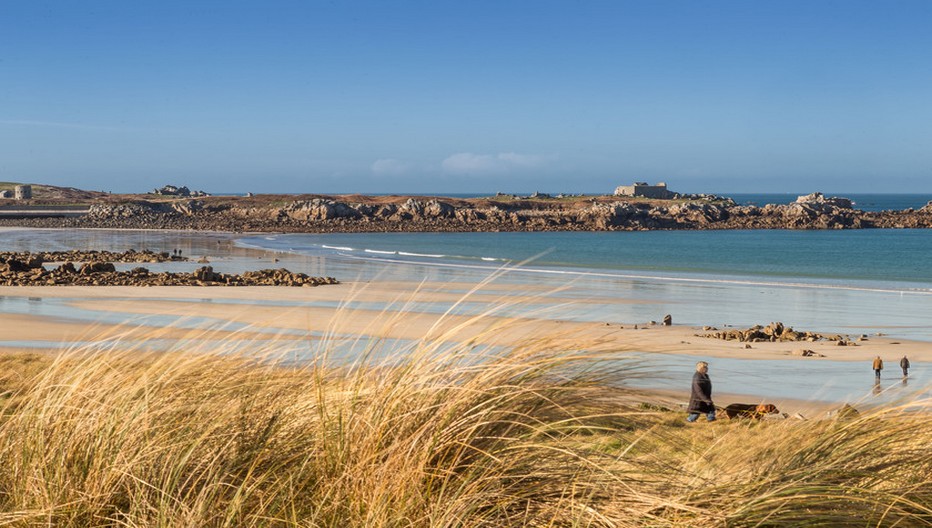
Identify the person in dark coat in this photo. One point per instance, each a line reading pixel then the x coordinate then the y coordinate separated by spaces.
pixel 904 364
pixel 700 398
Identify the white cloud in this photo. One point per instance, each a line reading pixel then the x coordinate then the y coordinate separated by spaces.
pixel 391 167
pixel 501 163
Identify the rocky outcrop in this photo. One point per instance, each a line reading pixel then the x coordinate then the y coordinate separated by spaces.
pixel 805 352
pixel 316 210
pixel 105 274
pixel 819 199
pixel 37 259
pixel 125 210
pixel 367 214
pixel 171 190
pixel 774 332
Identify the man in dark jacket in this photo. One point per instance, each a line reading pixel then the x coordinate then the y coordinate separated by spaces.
pixel 700 398
pixel 904 364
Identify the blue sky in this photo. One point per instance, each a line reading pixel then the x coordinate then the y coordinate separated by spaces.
pixel 467 96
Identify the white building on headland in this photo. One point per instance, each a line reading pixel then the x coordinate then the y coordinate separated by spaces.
pixel 644 190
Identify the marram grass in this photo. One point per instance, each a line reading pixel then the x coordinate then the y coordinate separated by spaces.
pixel 426 434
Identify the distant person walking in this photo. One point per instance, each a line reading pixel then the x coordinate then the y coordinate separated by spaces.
pixel 700 397
pixel 904 364
pixel 878 366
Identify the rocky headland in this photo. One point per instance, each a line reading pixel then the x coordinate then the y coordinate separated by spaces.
pixel 356 213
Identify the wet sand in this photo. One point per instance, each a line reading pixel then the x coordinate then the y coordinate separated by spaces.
pixel 394 311
pixel 498 313
pixel 268 309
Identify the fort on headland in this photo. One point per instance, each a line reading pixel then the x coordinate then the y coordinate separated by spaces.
pixel 19 192
pixel 633 207
pixel 643 190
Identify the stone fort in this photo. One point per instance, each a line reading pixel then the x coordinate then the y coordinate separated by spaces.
pixel 644 190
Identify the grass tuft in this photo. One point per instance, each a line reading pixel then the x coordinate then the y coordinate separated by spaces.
pixel 441 431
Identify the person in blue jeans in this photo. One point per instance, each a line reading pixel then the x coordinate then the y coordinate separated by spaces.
pixel 700 398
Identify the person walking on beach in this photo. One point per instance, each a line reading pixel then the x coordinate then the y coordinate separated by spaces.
pixel 904 364
pixel 878 366
pixel 700 397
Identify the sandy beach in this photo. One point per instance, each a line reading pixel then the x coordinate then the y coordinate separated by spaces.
pixel 249 306
pixel 395 310
pixel 394 305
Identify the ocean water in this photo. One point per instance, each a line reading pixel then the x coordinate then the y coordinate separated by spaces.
pixel 863 282
pixel 851 282
pixel 872 258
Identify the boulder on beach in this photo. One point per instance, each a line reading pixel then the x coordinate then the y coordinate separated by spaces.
pixel 89 268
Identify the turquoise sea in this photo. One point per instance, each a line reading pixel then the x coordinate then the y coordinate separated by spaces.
pixel 853 282
pixel 864 281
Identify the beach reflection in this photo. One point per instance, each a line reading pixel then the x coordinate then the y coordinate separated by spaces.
pixel 821 380
pixel 691 303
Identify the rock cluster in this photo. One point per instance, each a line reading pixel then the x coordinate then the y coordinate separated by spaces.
pixel 36 259
pixel 17 273
pixel 773 332
pixel 366 214
pixel 171 190
pixel 805 352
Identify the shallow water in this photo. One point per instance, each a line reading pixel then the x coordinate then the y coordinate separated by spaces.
pixel 898 306
pixel 852 282
pixel 804 379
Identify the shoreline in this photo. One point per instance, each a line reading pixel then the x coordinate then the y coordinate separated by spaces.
pixel 256 315
pixel 234 239
pixel 276 308
pixel 45 318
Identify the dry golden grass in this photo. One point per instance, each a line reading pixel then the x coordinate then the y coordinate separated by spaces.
pixel 423 434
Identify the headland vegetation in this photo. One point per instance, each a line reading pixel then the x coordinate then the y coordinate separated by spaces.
pixel 313 213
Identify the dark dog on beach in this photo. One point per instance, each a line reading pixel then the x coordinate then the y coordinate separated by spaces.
pixel 749 410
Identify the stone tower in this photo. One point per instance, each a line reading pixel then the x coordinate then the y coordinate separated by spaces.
pixel 23 192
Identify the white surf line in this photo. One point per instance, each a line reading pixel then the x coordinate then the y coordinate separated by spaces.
pixel 617 275
pixel 643 277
